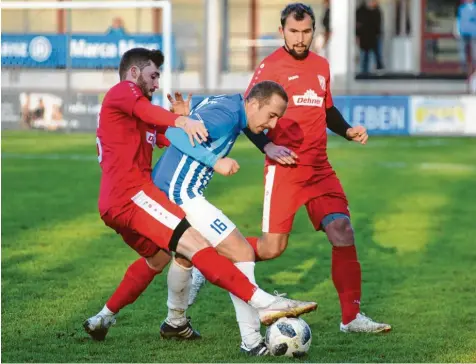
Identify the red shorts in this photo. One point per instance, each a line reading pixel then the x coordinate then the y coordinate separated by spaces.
pixel 147 222
pixel 289 188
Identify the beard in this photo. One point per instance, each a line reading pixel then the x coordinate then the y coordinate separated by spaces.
pixel 296 55
pixel 143 87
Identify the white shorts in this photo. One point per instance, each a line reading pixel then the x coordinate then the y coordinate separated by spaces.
pixel 209 221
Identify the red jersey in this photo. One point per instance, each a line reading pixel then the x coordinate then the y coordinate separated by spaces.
pixel 303 126
pixel 127 132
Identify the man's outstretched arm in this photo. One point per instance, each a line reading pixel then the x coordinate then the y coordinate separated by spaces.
pixel 179 139
pixel 224 166
pixel 156 115
pixel 218 121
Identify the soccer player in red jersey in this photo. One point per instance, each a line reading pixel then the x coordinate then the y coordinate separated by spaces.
pixel 143 215
pixel 299 141
pixel 311 182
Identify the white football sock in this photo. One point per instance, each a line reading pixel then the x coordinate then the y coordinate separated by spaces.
pixel 261 299
pixel 106 312
pixel 247 316
pixel 179 281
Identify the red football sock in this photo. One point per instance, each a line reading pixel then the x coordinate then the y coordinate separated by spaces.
pixel 221 272
pixel 253 241
pixel 346 276
pixel 137 278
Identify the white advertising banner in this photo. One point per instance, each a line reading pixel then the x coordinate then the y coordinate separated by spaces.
pixel 443 115
pixel 470 111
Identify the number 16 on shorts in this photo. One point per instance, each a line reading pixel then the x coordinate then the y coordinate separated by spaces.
pixel 211 222
pixel 218 226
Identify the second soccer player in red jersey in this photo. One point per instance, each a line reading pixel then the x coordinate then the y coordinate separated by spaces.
pixel 143 215
pixel 311 182
pixel 297 170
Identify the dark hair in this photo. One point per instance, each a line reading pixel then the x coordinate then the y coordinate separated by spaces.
pixel 264 90
pixel 140 57
pixel 298 10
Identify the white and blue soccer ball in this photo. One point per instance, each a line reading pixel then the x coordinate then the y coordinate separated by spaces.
pixel 289 337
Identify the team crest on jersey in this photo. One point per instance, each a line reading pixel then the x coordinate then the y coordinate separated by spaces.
pixel 322 82
pixel 309 98
pixel 151 137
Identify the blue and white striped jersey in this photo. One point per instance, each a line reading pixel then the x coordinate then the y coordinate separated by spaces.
pixel 184 171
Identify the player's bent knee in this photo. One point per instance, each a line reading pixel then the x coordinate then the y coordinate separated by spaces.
pixel 159 261
pixel 340 232
pixel 182 261
pixel 274 251
pixel 273 246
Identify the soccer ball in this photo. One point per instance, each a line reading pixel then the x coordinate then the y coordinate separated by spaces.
pixel 289 337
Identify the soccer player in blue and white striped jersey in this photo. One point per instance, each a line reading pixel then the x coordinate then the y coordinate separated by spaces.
pixel 184 171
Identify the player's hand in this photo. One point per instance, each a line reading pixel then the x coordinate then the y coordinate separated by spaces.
pixel 179 105
pixel 280 154
pixel 357 134
pixel 226 166
pixel 194 129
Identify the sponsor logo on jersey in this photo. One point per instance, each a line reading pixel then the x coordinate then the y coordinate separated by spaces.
pixel 151 137
pixel 295 77
pixel 309 98
pixel 322 82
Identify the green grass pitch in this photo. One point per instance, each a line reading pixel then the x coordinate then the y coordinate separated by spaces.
pixel 413 204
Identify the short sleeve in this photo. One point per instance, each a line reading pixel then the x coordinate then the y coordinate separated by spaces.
pixel 218 120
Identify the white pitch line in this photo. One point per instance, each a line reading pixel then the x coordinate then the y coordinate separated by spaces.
pixel 457 167
pixel 449 166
